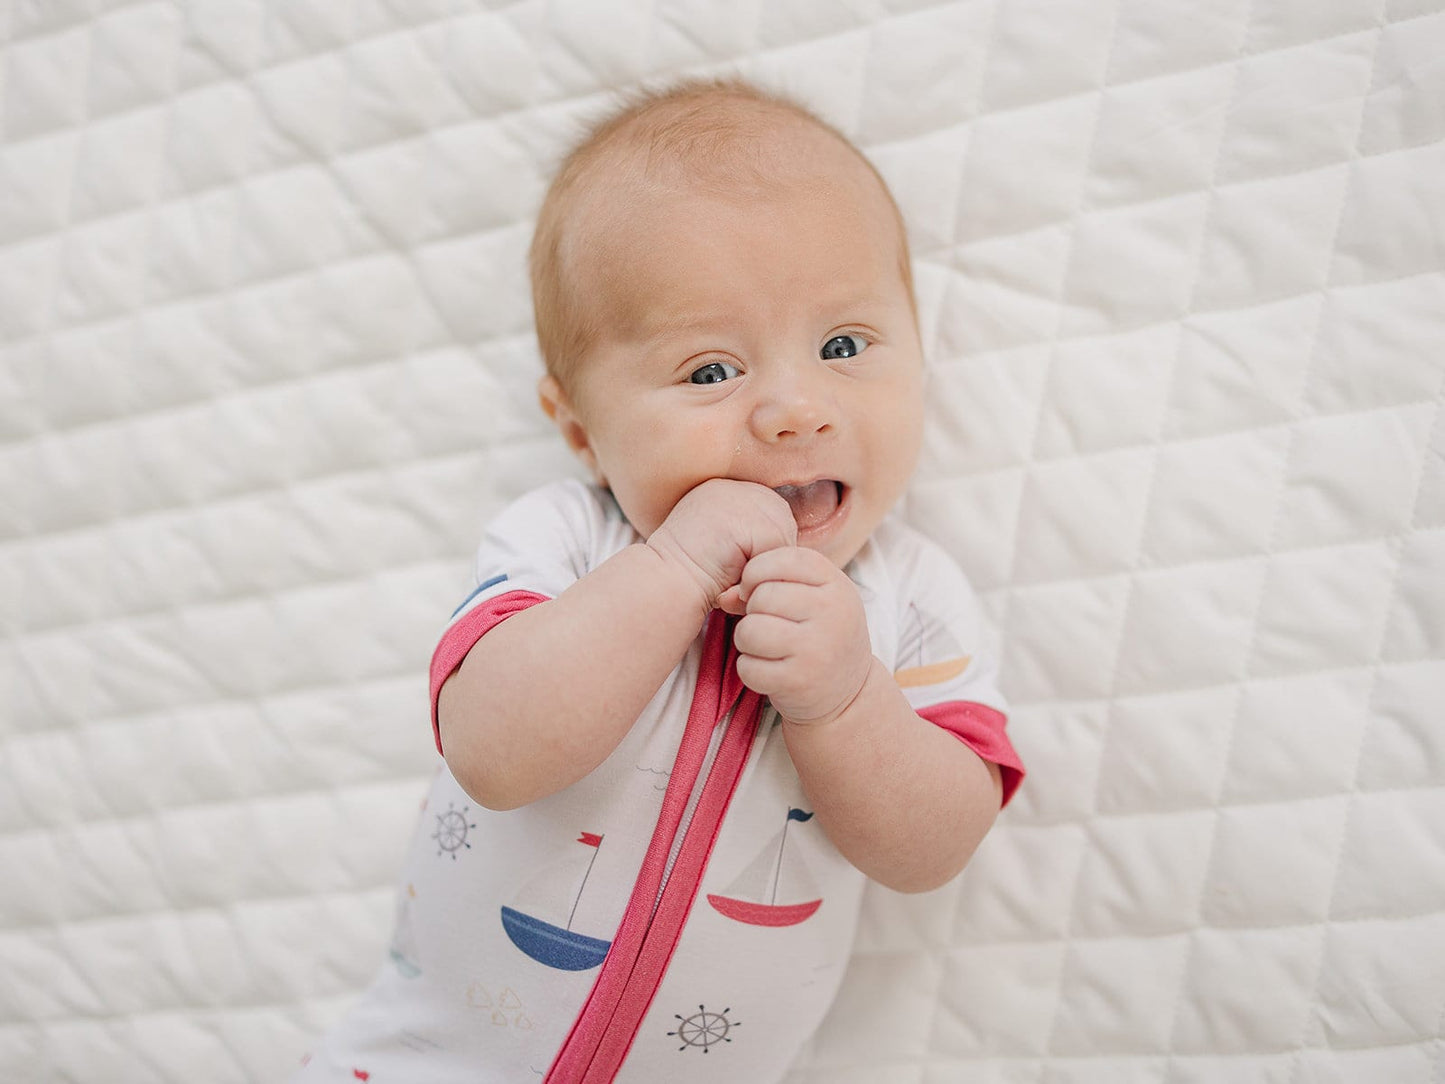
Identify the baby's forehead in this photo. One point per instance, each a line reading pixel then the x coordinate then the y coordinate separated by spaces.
pixel 787 156
pixel 759 148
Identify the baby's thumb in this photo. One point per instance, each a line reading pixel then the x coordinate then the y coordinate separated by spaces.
pixel 731 601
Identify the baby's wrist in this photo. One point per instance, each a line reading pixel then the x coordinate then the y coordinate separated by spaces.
pixel 682 569
pixel 843 706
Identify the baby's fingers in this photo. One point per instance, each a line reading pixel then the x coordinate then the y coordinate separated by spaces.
pixel 731 601
pixel 793 564
pixel 764 636
pixel 784 598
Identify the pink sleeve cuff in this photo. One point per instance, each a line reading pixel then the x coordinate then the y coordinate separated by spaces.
pixel 463 636
pixel 981 728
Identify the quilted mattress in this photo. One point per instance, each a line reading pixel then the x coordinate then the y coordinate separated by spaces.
pixel 268 366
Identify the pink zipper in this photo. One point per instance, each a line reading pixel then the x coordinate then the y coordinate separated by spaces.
pixel 651 926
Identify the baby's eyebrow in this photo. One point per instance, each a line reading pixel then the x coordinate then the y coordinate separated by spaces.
pixel 654 329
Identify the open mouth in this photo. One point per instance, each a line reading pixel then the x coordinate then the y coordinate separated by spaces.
pixel 813 504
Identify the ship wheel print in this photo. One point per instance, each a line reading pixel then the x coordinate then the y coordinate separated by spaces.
pixel 452 829
pixel 704 1028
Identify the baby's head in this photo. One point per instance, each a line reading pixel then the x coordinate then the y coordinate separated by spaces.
pixel 722 289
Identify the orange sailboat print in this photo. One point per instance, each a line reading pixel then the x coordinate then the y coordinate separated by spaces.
pixel 924 640
pixel 753 897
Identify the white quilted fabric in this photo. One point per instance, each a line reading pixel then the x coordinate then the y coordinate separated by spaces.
pixel 267 366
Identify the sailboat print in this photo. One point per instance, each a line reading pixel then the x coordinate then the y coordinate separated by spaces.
pixel 923 640
pixel 403 940
pixel 753 896
pixel 555 945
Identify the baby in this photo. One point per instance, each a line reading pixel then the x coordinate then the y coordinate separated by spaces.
pixel 690 708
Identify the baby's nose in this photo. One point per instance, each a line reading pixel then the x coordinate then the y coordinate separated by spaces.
pixel 791 411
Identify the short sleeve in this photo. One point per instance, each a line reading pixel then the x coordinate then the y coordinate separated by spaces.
pixel 531 552
pixel 946 663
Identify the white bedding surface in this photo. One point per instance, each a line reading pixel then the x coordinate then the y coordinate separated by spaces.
pixel 266 366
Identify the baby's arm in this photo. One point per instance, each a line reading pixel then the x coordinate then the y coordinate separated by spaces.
pixel 903 800
pixel 546 695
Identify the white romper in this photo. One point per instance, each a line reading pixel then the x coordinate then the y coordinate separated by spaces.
pixel 676 914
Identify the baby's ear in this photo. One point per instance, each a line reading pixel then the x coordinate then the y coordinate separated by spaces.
pixel 557 405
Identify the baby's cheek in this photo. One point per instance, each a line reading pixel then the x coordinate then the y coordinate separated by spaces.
pixel 642 509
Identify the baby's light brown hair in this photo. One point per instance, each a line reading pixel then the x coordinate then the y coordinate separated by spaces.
pixel 709 129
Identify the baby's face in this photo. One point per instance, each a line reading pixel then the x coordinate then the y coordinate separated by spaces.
pixel 768 339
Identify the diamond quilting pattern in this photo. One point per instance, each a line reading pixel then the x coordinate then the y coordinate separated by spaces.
pixel 266 365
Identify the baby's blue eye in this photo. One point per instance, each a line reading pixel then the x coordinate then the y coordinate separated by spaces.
pixel 714 372
pixel 843 346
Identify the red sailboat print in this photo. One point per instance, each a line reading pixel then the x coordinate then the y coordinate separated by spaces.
pixel 753 896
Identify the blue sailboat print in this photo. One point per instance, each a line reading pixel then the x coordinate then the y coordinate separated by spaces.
pixel 553 945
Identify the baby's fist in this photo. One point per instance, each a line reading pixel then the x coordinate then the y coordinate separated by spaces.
pixel 719 525
pixel 804 641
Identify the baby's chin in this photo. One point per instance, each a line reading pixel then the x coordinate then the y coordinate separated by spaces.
pixel 841 558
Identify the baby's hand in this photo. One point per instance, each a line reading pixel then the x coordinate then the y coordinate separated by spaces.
pixel 718 526
pixel 804 640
